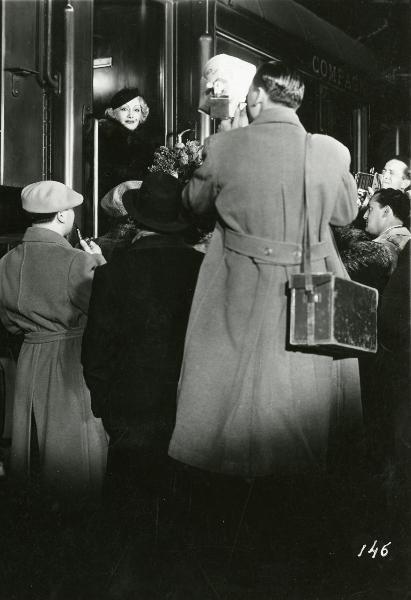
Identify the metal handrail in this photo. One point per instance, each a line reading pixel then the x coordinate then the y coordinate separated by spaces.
pixel 54 81
pixel 95 178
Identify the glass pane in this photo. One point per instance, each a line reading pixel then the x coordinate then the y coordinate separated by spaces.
pixel 308 111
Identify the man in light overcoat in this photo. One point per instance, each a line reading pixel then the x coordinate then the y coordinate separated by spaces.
pixel 45 287
pixel 248 404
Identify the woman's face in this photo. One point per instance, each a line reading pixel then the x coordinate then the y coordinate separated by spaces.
pixel 129 114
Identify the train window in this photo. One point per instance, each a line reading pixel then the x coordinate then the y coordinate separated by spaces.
pixel 308 112
pixel 225 46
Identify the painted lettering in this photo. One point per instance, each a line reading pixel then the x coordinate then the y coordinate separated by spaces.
pixel 315 65
pixel 336 75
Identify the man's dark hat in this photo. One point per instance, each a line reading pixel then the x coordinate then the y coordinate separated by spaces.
pixel 157 204
pixel 124 96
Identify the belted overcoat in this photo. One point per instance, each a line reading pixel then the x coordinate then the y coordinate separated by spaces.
pixel 45 287
pixel 247 404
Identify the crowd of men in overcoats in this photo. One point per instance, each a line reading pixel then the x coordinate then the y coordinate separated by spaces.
pixel 164 356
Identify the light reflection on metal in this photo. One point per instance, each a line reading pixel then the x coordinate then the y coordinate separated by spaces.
pixel 230 38
pixel 100 63
pixel 53 81
pixel 69 94
pixel 205 52
pixel 167 80
pixel 95 178
pixel 357 140
pixel 3 53
pixel 143 10
pixel 397 140
pixel 207 23
pixel 360 141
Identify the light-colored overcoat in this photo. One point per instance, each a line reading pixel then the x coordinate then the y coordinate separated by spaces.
pixel 45 287
pixel 247 404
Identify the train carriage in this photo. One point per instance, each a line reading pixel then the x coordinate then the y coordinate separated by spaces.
pixel 63 59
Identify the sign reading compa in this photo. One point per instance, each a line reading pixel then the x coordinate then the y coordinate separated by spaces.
pixel 335 75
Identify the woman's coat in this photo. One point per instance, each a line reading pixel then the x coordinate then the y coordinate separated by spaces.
pixel 123 154
pixel 248 404
pixel 45 286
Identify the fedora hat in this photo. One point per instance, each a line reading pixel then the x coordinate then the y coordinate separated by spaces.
pixel 157 204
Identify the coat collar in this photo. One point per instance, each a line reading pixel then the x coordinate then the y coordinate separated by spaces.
pixel 41 234
pixel 278 114
pixel 398 235
pixel 159 241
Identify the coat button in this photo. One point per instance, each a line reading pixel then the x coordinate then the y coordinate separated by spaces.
pixel 268 251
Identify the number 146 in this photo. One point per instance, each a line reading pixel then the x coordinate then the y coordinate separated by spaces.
pixel 374 550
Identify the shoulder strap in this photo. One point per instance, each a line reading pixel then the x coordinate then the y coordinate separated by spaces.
pixel 306 258
pixel 306 255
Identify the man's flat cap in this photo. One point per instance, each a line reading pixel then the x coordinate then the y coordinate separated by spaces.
pixel 49 197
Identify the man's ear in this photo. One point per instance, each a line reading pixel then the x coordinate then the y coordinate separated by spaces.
pixel 61 217
pixel 406 182
pixel 261 96
pixel 388 211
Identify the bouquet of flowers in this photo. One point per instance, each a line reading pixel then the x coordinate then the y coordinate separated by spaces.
pixel 181 160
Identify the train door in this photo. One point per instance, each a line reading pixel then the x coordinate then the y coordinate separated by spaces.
pixel 132 48
pixel 45 92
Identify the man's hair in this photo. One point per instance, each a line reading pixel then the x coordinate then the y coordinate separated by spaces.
pixel 37 218
pixel 398 201
pixel 282 83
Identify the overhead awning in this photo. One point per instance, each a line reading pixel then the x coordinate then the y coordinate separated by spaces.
pixel 297 21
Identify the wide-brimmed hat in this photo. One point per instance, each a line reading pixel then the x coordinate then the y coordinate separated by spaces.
pixel 112 202
pixel 157 204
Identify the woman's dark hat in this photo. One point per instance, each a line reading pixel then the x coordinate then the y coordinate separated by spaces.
pixel 157 204
pixel 124 96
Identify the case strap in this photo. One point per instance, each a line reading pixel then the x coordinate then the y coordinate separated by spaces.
pixel 306 262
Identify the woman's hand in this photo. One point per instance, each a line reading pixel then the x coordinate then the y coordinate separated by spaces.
pixel 91 247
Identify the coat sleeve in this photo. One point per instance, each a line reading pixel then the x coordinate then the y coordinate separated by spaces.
pixel 98 346
pixel 200 193
pixel 80 278
pixel 370 263
pixel 346 207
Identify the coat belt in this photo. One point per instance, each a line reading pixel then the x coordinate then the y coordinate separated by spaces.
pixel 42 337
pixel 272 252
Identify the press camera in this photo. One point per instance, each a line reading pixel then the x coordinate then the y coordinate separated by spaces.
pixel 367 185
pixel 368 180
